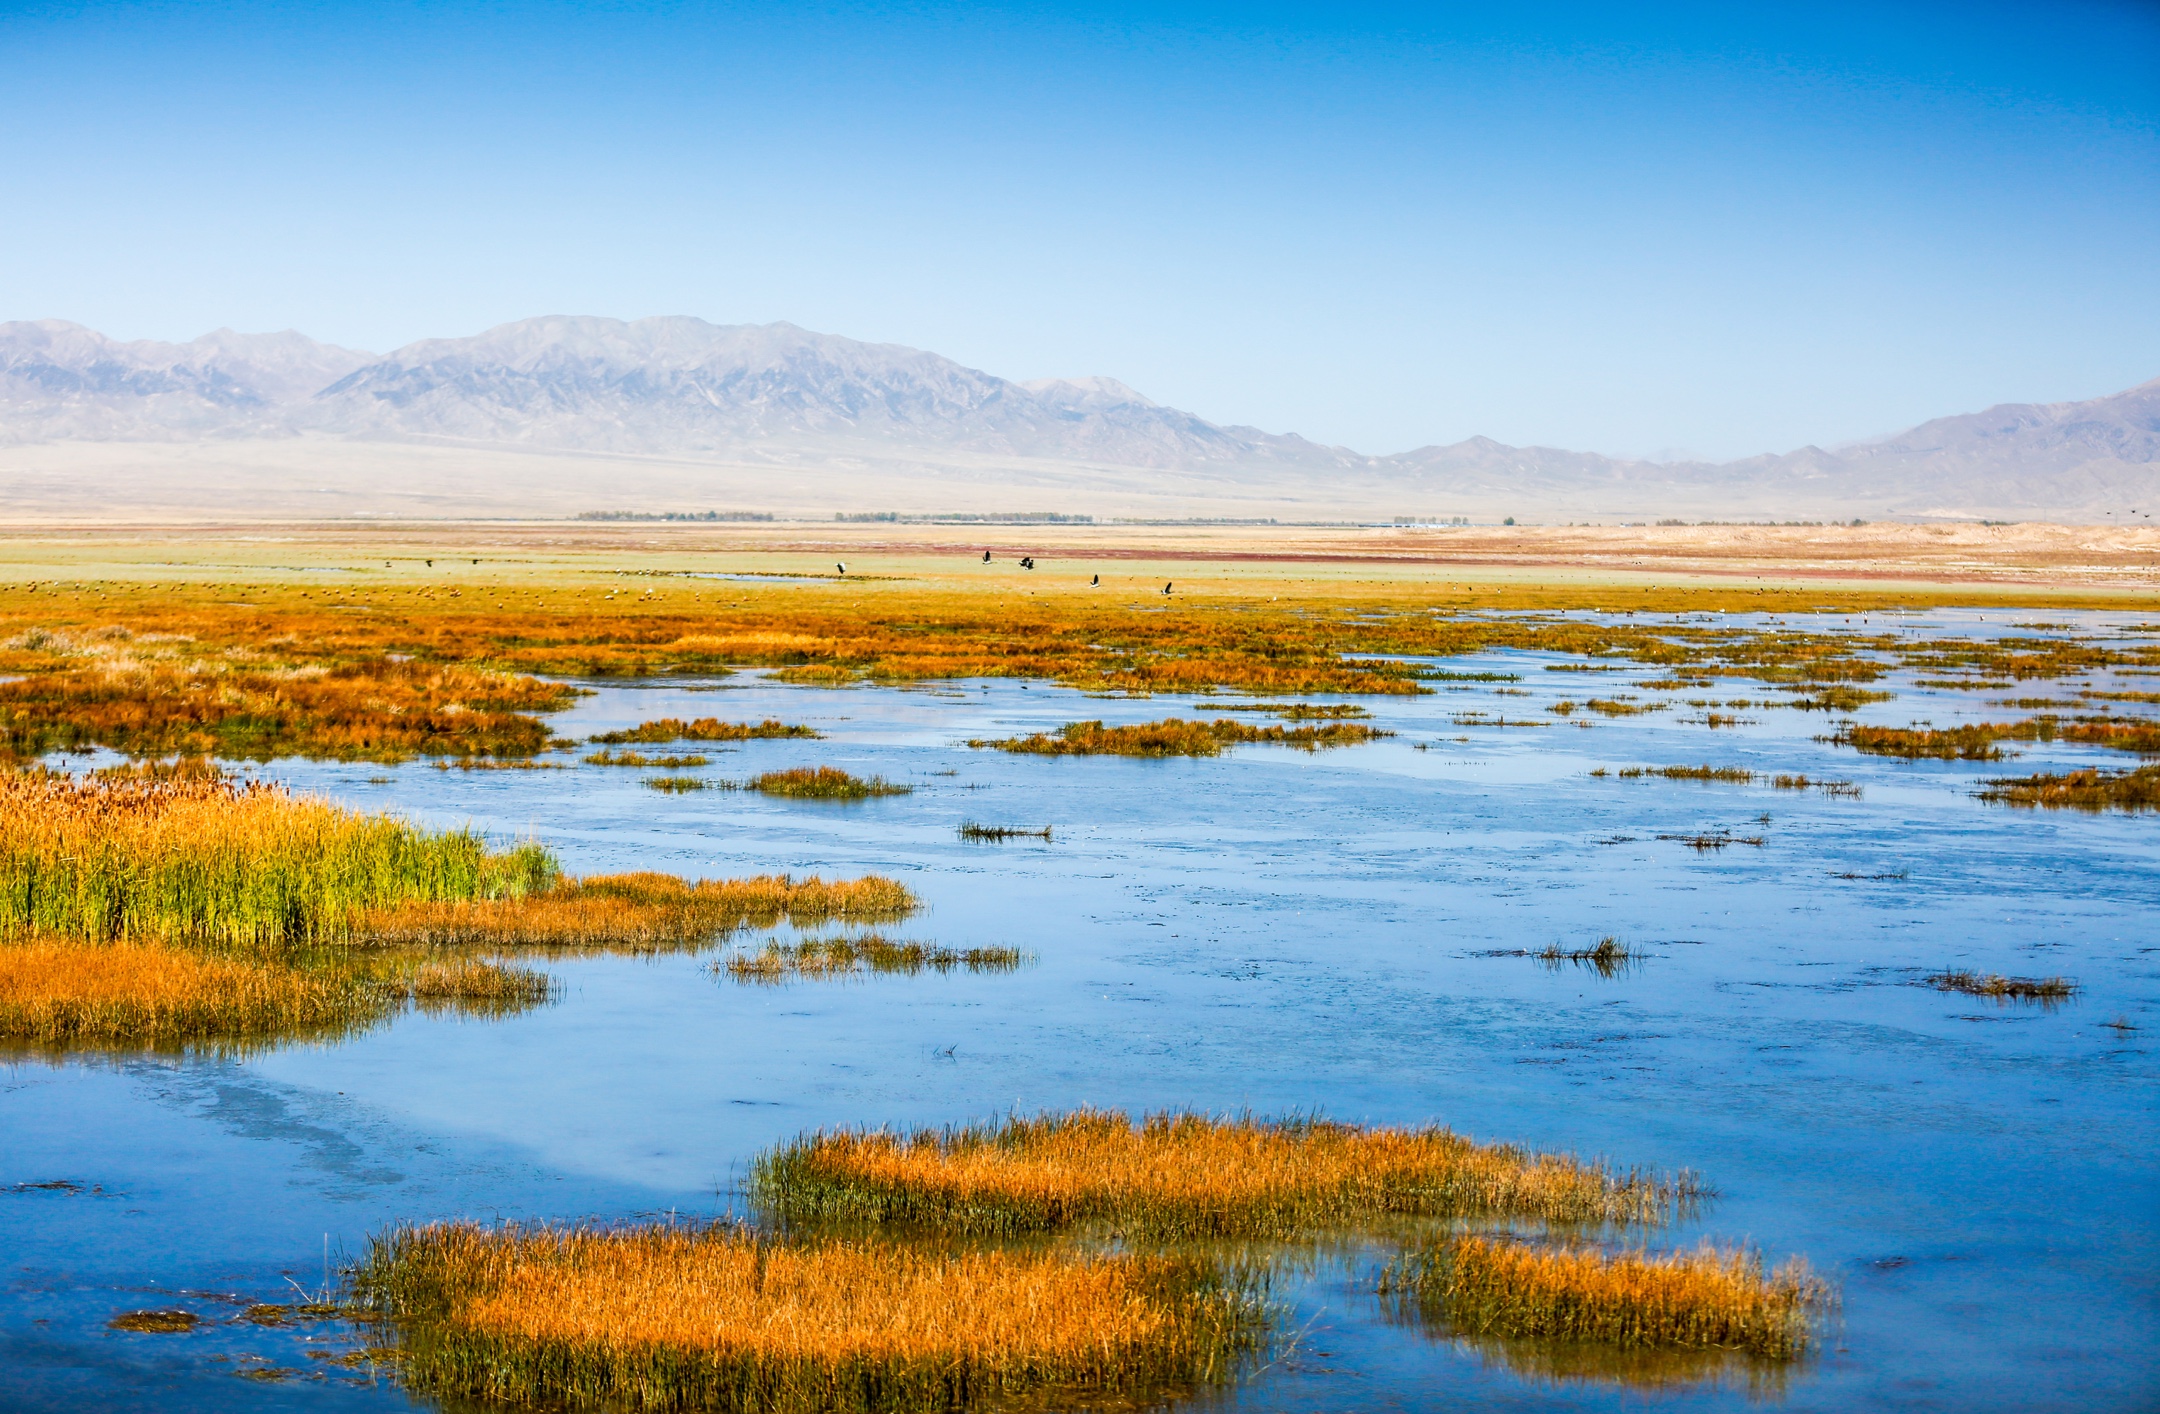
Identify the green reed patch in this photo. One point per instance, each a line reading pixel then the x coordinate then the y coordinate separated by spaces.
pixel 821 958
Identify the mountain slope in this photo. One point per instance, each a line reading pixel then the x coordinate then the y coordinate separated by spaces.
pixel 776 415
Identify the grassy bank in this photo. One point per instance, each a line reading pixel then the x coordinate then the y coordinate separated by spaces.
pixel 1188 1175
pixel 872 952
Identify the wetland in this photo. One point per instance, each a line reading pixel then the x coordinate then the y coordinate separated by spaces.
pixel 1432 1063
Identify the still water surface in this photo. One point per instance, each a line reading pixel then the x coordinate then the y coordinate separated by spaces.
pixel 1268 930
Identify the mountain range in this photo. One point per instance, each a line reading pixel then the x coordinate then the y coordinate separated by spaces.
pixel 566 414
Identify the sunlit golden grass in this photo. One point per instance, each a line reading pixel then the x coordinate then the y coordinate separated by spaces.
pixel 64 992
pixel 824 783
pixel 676 785
pixel 473 985
pixel 2080 790
pixel 1189 1175
pixel 208 859
pixel 1722 1297
pixel 1174 736
pixel 872 952
pixel 669 729
pixel 716 1318
pixel 1977 742
pixel 1845 789
pixel 642 912
pixel 2003 989
pixel 1300 711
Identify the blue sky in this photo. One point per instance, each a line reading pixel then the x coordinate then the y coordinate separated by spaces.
pixel 1647 229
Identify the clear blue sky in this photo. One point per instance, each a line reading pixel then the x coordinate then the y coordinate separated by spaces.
pixel 1717 228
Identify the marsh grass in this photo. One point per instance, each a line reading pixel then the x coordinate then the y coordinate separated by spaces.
pixel 211 860
pixel 824 783
pixel 1977 742
pixel 1609 957
pixel 969 830
pixel 686 1317
pixel 1188 1175
pixel 2091 790
pixel 1734 775
pixel 639 758
pixel 1175 736
pixel 822 958
pixel 643 912
pixel 1713 1297
pixel 156 1322
pixel 1301 711
pixel 153 996
pixel 1836 699
pixel 2001 988
pixel 676 785
pixel 669 729
pixel 1845 790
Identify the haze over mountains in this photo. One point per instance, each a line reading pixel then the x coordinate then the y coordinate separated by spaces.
pixel 563 415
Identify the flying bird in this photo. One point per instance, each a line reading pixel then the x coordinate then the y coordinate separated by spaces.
pixel 1095 580
pixel 841 568
pixel 986 557
pixel 1166 589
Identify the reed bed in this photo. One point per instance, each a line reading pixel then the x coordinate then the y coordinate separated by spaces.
pixel 643 912
pixel 1837 699
pixel 669 729
pixel 1977 742
pixel 1847 790
pixel 475 986
pixel 673 1317
pixel 639 758
pixel 969 830
pixel 676 785
pixel 2001 988
pixel 1711 1297
pixel 824 783
pixel 214 860
pixel 2079 790
pixel 1174 736
pixel 1187 1175
pixel 823 958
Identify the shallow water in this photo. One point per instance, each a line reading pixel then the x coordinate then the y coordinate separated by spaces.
pixel 1268 930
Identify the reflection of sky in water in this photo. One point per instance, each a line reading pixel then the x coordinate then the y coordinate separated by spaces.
pixel 1268 929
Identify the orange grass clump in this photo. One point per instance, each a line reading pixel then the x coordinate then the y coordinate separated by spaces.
pixel 2079 790
pixel 643 912
pixel 669 729
pixel 1188 1175
pixel 2001 988
pixel 1174 736
pixel 66 993
pixel 717 1318
pixel 1714 1296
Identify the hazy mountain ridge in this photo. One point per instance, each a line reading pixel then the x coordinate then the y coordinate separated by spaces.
pixel 681 389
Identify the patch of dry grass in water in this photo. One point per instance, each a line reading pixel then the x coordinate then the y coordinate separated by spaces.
pixel 1609 958
pixel 1189 1175
pixel 969 830
pixel 846 957
pixel 645 912
pixel 639 758
pixel 824 783
pixel 683 1318
pixel 1174 736
pixel 669 729
pixel 1711 1297
pixel 2079 790
pixel 2001 988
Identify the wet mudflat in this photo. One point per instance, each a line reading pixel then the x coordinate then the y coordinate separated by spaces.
pixel 1351 931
